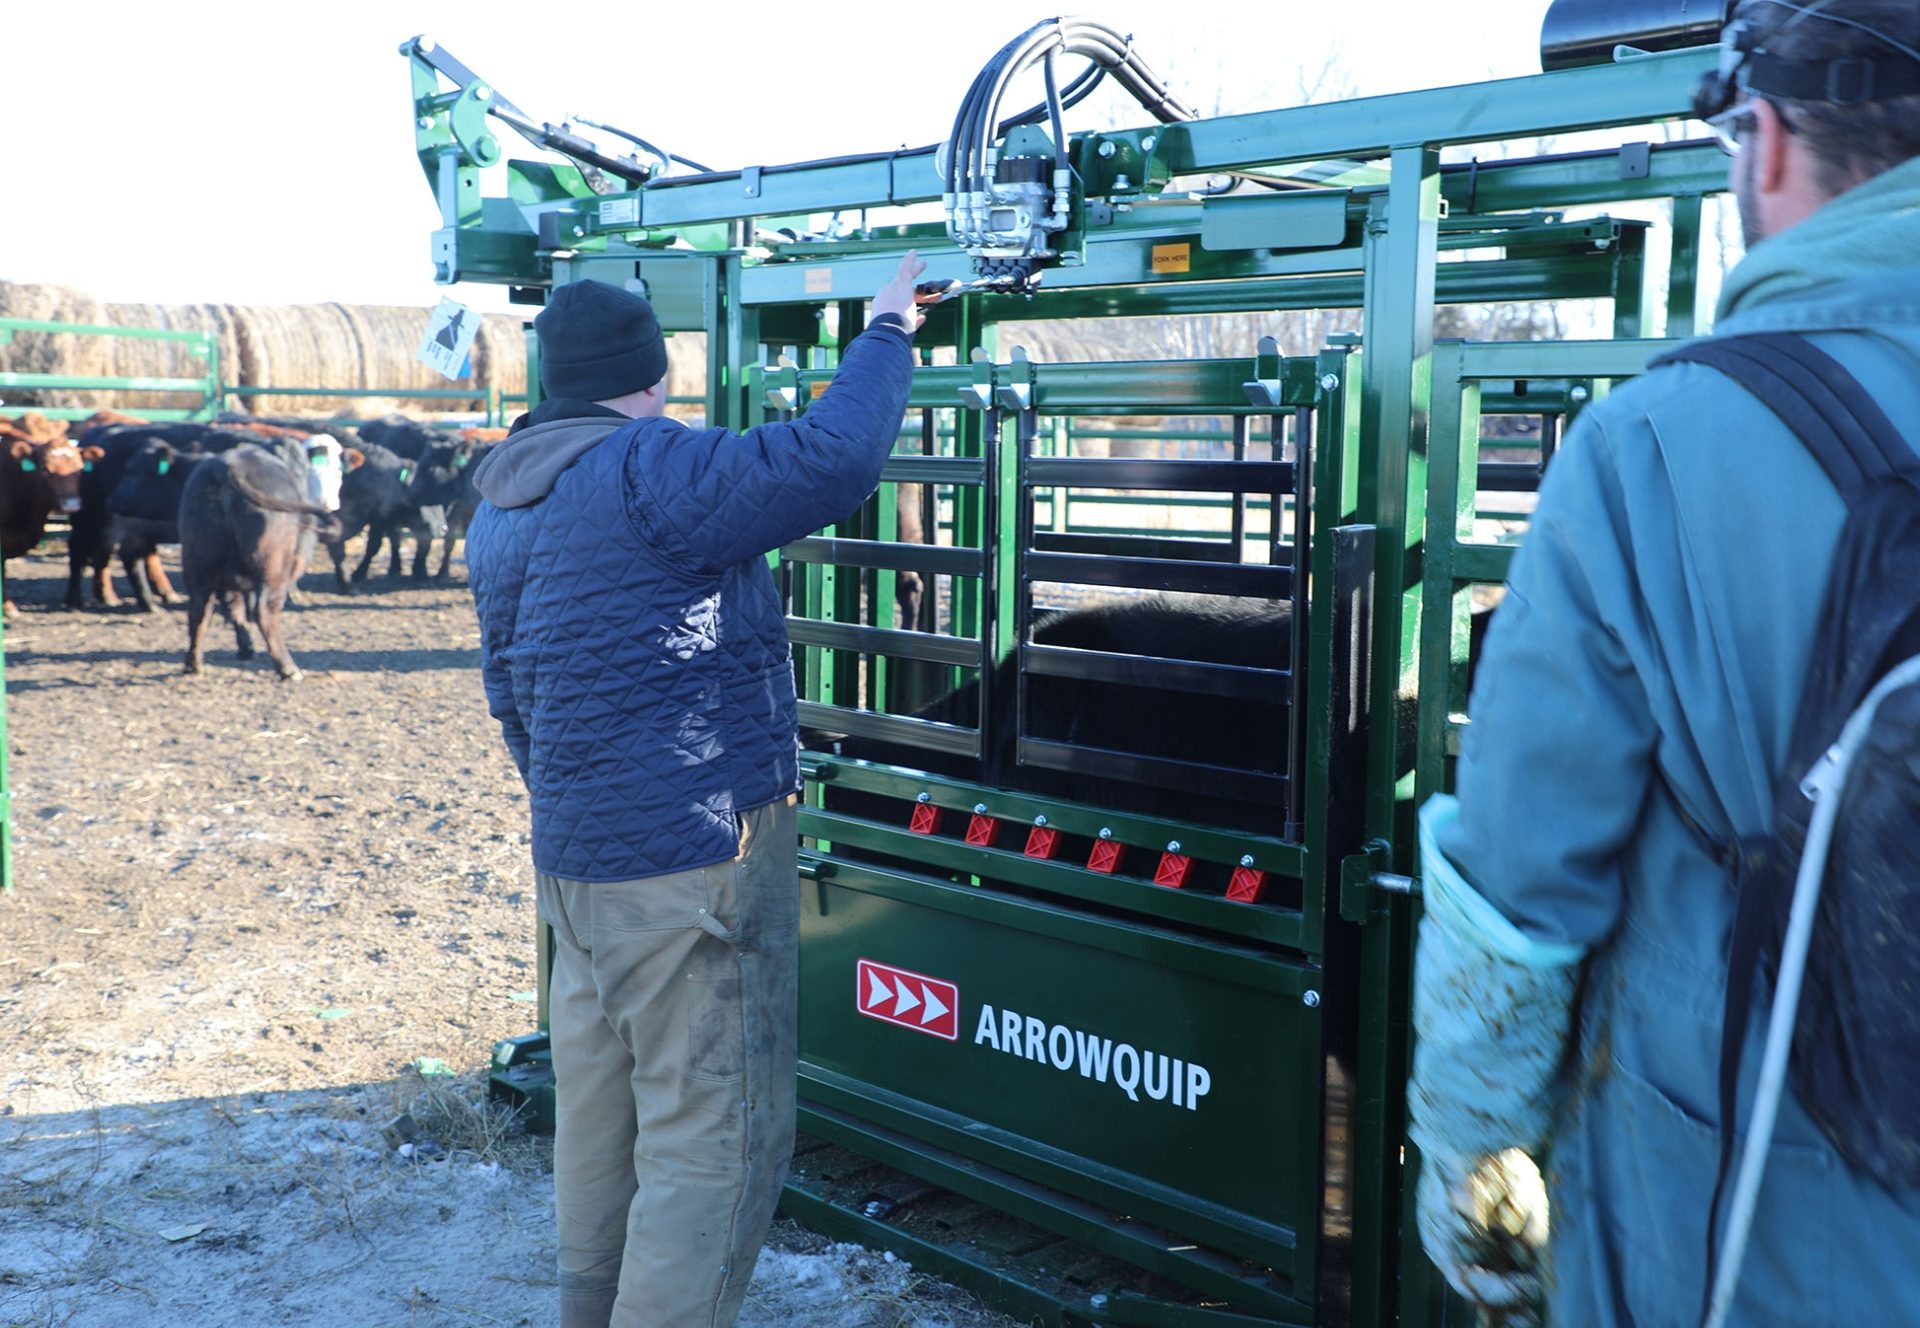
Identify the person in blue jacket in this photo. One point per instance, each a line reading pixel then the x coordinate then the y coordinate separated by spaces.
pixel 1632 711
pixel 634 650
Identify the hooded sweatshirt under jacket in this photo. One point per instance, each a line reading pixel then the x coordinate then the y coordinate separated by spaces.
pixel 633 644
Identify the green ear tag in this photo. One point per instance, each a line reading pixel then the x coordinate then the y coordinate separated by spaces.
pixel 26 465
pixel 87 466
pixel 461 460
pixel 164 467
pixel 405 475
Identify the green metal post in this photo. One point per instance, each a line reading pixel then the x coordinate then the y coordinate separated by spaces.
pixel 1683 273
pixel 1453 453
pixel 970 506
pixel 1630 283
pixel 1401 252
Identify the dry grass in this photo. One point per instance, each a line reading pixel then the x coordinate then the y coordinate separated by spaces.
pixel 454 1113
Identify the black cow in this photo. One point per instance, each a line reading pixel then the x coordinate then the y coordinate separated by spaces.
pixel 377 495
pixel 401 436
pixel 445 479
pixel 1146 721
pixel 1156 721
pixel 246 531
pixel 151 506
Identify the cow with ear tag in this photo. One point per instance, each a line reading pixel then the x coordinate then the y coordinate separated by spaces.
pixel 36 479
pixel 375 496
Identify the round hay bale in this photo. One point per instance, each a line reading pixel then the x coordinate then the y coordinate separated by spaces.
pixel 51 352
pixel 359 347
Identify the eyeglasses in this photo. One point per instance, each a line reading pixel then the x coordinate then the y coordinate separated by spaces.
pixel 1731 125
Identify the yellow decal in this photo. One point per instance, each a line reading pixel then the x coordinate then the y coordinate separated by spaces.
pixel 819 281
pixel 1173 258
pixel 815 389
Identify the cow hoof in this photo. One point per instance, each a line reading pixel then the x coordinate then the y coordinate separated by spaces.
pixel 244 655
pixel 291 675
pixel 191 666
pixel 175 601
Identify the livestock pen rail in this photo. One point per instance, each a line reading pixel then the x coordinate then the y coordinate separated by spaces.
pixel 197 345
pixel 1109 873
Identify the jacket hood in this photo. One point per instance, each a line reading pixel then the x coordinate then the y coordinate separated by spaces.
pixel 1868 233
pixel 521 471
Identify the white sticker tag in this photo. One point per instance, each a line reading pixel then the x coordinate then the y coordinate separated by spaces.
pixel 619 211
pixel 450 332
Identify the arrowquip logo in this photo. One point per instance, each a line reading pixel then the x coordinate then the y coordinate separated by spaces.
pixel 907 999
pixel 1134 1070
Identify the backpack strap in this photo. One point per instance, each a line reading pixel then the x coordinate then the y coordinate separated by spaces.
pixel 1814 395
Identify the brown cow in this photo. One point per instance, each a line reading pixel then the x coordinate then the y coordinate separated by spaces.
pixel 33 427
pixel 104 417
pixel 246 529
pixel 36 478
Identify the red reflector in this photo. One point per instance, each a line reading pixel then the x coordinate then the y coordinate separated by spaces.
pixel 1105 856
pixel 1247 885
pixel 1172 871
pixel 1043 841
pixel 981 830
pixel 926 819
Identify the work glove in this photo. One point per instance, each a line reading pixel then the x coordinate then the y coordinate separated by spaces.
pixel 1491 1013
pixel 1486 1230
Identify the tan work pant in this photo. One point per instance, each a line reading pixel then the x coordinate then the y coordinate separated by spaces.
pixel 673 1015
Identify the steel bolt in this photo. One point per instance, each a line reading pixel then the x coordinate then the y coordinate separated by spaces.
pixel 1146 144
pixel 1578 394
pixel 578 231
pixel 482 93
pixel 1173 846
pixel 1040 821
pixel 1108 149
pixel 979 809
pixel 1329 381
pixel 1310 999
pixel 425 122
pixel 1105 833
pixel 1246 859
pixel 924 797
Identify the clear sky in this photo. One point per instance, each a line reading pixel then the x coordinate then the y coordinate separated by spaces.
pixel 261 153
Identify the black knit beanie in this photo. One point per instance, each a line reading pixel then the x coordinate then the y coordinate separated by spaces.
pixel 598 342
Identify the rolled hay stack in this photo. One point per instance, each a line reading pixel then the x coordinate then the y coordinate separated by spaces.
pixel 308 346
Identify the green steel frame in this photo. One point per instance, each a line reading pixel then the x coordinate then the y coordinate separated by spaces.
pixel 1285 1200
pixel 201 345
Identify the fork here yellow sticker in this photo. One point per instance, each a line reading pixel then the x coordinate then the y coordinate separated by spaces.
pixel 1171 258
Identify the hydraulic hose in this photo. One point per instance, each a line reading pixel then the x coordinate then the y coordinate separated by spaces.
pixel 977 127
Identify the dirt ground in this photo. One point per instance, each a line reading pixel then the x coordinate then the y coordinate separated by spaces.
pixel 252 923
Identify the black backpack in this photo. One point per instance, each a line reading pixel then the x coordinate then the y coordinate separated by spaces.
pixel 1855 1062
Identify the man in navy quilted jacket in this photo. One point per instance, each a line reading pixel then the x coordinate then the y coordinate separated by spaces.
pixel 635 653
